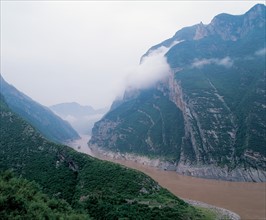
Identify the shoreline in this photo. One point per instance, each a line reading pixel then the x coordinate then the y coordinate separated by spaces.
pixel 211 172
pixel 220 213
pixel 224 197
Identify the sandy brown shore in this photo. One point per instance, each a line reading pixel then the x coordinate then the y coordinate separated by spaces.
pixel 246 199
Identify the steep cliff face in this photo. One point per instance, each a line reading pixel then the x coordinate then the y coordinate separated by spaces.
pixel 141 125
pixel 209 123
pixel 210 149
pixel 222 84
pixel 216 86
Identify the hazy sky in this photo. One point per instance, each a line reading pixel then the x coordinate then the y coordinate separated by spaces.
pixel 64 51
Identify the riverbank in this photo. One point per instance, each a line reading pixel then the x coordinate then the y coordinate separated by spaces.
pixel 222 214
pixel 245 199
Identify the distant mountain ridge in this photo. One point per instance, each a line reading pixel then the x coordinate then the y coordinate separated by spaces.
pixel 42 118
pixel 208 117
pixel 82 118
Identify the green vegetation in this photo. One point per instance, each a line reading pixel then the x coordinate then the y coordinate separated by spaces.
pixel 210 214
pixel 148 125
pixel 44 120
pixel 76 185
pixel 22 199
pixel 222 84
pixel 228 100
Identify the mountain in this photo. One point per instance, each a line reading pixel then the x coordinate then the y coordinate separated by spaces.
pixel 42 118
pixel 82 118
pixel 72 108
pixel 23 199
pixel 74 184
pixel 207 117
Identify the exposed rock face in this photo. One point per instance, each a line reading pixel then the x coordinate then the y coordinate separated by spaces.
pixel 204 138
pixel 177 96
pixel 208 118
pixel 219 173
pixel 206 142
pixel 201 32
pixel 156 162
pixel 102 132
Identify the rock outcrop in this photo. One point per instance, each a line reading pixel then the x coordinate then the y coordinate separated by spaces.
pixel 208 118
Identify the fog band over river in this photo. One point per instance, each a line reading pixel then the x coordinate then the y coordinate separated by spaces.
pixel 244 198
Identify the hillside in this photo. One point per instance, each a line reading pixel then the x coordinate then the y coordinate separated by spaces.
pixel 79 184
pixel 43 119
pixel 207 118
pixel 22 199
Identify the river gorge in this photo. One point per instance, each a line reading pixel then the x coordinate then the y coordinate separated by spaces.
pixel 244 198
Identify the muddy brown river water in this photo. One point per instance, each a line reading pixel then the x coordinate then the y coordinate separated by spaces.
pixel 246 199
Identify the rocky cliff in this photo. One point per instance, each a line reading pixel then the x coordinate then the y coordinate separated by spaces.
pixel 207 118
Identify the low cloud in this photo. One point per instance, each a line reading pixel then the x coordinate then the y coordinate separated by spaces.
pixel 152 69
pixel 261 52
pixel 200 63
pixel 70 118
pixel 94 117
pixel 226 62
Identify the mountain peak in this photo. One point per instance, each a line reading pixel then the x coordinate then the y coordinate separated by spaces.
pixel 234 27
pixel 255 16
pixel 201 31
pixel 225 26
pixel 205 119
pixel 258 9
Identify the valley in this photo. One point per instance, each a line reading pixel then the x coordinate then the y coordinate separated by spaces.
pixel 244 198
pixel 72 185
pixel 181 136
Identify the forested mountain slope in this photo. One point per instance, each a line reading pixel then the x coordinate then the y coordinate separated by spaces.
pixel 42 118
pixel 208 116
pixel 88 186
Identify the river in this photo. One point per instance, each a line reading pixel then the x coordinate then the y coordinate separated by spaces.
pixel 244 198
